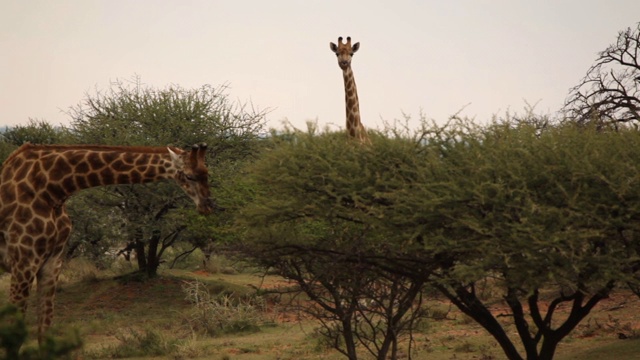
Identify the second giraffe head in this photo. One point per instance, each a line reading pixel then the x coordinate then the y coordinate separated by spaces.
pixel 344 51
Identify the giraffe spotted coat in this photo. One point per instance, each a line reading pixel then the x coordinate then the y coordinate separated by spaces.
pixel 35 182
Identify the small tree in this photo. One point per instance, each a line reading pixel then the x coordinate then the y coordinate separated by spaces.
pixel 35 132
pixel 131 114
pixel 316 219
pixel 355 301
pixel 538 213
pixel 610 92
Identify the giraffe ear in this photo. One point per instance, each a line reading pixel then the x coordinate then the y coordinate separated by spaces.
pixel 202 150
pixel 355 47
pixel 333 47
pixel 193 156
pixel 176 159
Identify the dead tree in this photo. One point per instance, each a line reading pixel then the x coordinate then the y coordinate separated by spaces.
pixel 609 94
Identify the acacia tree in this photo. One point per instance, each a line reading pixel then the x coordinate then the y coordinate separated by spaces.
pixel 551 212
pixel 532 211
pixel 35 132
pixel 154 216
pixel 610 91
pixel 306 222
pixel 354 300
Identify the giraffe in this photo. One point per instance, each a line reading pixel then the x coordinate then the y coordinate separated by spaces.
pixel 344 52
pixel 35 182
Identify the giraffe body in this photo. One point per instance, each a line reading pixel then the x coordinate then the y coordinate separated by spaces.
pixel 344 53
pixel 36 180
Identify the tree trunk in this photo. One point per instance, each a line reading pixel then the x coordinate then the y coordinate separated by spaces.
pixel 138 248
pixel 349 340
pixel 467 301
pixel 153 262
pixel 140 255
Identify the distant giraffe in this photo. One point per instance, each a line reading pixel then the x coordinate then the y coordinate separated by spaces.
pixel 344 52
pixel 35 182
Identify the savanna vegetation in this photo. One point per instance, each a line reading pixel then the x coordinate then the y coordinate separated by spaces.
pixel 523 226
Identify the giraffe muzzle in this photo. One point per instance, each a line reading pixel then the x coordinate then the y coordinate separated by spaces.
pixel 207 206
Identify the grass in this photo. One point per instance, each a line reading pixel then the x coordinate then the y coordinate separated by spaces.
pixel 154 320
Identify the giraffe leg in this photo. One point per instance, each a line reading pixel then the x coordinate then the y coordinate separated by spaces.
pixel 21 280
pixel 46 292
pixel 49 271
pixel 23 265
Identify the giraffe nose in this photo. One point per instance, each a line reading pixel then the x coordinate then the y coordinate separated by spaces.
pixel 208 206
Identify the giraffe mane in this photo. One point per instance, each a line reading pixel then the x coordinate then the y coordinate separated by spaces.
pixel 138 149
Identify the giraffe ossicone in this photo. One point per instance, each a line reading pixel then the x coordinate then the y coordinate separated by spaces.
pixel 35 182
pixel 344 52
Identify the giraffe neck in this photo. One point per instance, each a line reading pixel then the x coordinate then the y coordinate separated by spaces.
pixel 351 102
pixel 56 172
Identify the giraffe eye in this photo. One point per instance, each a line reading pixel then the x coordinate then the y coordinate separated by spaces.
pixel 191 177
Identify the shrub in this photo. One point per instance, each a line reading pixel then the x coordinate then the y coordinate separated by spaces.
pixel 79 269
pixel 219 265
pixel 220 315
pixel 13 334
pixel 135 344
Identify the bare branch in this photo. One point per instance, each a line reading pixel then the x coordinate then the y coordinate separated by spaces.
pixel 610 91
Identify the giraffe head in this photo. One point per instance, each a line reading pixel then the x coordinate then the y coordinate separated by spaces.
pixel 193 177
pixel 344 51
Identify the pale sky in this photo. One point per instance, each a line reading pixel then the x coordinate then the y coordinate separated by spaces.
pixel 430 57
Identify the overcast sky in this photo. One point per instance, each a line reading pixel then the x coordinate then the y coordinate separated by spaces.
pixel 433 57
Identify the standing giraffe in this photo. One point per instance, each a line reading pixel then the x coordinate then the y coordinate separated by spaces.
pixel 344 52
pixel 35 182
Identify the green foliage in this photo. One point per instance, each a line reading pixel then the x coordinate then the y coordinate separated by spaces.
pixel 132 114
pixel 35 132
pixel 317 189
pixel 13 334
pixel 551 208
